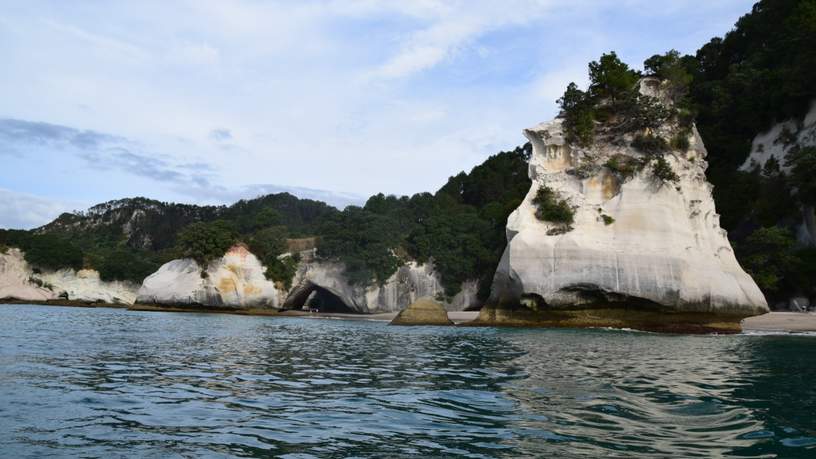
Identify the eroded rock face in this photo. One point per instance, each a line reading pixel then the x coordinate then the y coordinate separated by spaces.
pixel 86 286
pixel 15 275
pixel 18 282
pixel 424 311
pixel 411 282
pixel 635 240
pixel 236 281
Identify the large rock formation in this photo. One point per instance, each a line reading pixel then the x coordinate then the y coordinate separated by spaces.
pixel 16 279
pixel 236 280
pixel 19 282
pixel 328 281
pixel 636 242
pixel 424 311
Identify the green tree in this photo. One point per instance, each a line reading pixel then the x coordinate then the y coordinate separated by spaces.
pixel 48 251
pixel 802 162
pixel 767 255
pixel 610 78
pixel 577 112
pixel 205 242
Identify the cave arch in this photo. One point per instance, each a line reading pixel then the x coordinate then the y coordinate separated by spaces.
pixel 312 296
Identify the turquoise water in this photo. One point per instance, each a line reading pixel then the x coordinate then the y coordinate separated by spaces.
pixel 112 383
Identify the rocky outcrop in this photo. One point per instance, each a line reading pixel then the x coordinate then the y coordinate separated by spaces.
pixel 85 286
pixel 236 280
pixel 16 279
pixel 424 311
pixel 636 241
pixel 411 282
pixel 777 142
pixel 19 282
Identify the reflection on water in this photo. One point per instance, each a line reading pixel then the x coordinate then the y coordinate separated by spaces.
pixel 108 383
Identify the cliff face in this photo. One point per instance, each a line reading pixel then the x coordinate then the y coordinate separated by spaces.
pixel 411 282
pixel 777 143
pixel 236 280
pixel 19 282
pixel 636 240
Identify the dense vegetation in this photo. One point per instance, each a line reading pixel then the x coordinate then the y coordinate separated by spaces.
pixel 460 228
pixel 551 208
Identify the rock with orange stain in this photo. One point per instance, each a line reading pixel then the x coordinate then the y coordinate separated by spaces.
pixel 635 240
pixel 236 280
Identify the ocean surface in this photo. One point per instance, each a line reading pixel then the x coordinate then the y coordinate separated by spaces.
pixel 110 383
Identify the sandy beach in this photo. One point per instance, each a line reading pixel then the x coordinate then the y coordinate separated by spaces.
pixel 794 322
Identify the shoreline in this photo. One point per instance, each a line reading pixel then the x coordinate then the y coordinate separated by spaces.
pixel 771 322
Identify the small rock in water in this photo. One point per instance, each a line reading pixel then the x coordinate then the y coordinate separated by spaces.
pixel 423 311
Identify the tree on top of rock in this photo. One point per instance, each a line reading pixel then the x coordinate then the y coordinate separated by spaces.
pixel 610 78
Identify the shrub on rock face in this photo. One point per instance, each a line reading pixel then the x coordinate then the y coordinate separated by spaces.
pixel 625 166
pixel 551 208
pixel 650 144
pixel 803 168
pixel 663 171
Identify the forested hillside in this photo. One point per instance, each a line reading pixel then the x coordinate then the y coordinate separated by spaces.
pixel 461 227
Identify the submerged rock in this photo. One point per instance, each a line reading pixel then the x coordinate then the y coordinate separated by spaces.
pixel 424 311
pixel 636 241
pixel 236 280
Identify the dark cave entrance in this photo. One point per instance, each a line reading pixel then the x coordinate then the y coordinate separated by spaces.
pixel 316 298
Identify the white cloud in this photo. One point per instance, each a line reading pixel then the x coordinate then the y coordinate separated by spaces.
pixel 25 211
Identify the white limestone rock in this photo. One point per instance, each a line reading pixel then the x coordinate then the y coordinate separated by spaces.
pixel 86 286
pixel 19 282
pixel 236 281
pixel 665 246
pixel 15 279
pixel 411 282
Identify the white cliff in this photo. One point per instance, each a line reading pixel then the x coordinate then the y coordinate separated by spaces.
pixel 635 240
pixel 236 280
pixel 19 282
pixel 16 279
pixel 411 282
pixel 777 142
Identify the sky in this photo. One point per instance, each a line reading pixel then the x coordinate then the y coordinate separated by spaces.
pixel 211 101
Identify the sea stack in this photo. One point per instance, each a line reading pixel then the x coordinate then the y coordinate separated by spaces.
pixel 639 249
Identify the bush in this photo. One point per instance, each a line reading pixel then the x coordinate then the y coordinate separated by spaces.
pixel 205 242
pixel 680 141
pixel 625 166
pixel 663 171
pixel 650 144
pixel 607 220
pixel 551 208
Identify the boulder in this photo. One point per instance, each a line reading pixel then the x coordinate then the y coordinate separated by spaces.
pixel 236 280
pixel 636 241
pixel 424 311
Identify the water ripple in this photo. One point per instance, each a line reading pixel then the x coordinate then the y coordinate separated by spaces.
pixel 112 383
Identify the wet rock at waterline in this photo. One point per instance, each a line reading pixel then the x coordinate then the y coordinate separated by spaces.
pixel 424 311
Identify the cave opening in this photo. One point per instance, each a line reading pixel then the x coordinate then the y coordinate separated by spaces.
pixel 318 299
